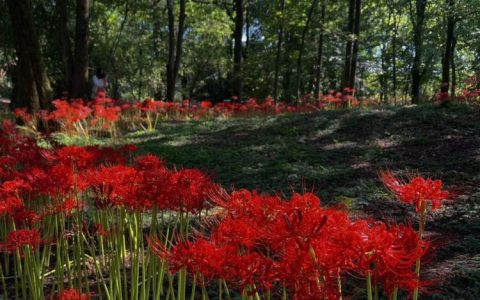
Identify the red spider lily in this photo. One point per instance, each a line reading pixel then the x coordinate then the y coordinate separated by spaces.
pixel 417 191
pixel 18 239
pixel 108 115
pixel 14 187
pixel 9 205
pixel 199 257
pixel 25 217
pixel 114 186
pixel 109 156
pixel 70 113
pixel 72 294
pixel 190 190
pixel 65 207
pixel 206 104
pixel 75 156
pixel 98 229
pixel 390 253
pixel 148 162
pixel 150 105
pixel 22 114
pixel 129 148
pixel 55 181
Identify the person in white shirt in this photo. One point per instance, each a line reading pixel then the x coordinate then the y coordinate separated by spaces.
pixel 99 81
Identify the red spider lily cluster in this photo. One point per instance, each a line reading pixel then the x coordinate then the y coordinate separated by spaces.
pixel 104 114
pixel 18 239
pixel 72 294
pixel 470 94
pixel 29 172
pixel 263 242
pixel 144 230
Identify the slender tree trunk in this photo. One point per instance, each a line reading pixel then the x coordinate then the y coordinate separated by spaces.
pixel 448 52
pixel 418 24
pixel 171 52
pixel 454 69
pixel 384 75
pixel 392 7
pixel 384 78
pixel 157 29
pixel 318 66
pixel 358 9
pixel 115 86
pixel 80 66
pixel 32 85
pixel 351 52
pixel 298 81
pixel 179 47
pixel 394 58
pixel 237 52
pixel 279 50
pixel 349 46
pixel 175 47
pixel 247 30
pixel 65 45
pixel 156 40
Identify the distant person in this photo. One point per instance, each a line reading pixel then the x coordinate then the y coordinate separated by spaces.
pixel 100 82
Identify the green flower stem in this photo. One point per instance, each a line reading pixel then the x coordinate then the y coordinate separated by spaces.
pixel 98 269
pixel 226 289
pixel 339 284
pixel 421 229
pixel 194 286
pixel 204 292
pixel 220 290
pixel 369 286
pixel 4 283
pixel 394 294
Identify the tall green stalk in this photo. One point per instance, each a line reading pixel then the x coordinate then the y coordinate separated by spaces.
pixel 421 229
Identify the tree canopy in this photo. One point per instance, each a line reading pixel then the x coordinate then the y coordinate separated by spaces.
pixel 391 50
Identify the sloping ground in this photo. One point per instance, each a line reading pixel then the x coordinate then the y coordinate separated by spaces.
pixel 338 155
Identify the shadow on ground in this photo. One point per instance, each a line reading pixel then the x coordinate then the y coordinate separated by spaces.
pixel 338 155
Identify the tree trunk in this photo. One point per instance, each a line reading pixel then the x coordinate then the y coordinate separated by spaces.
pixel 80 66
pixel 171 52
pixel 454 69
pixel 318 66
pixel 175 47
pixel 394 59
pixel 448 52
pixel 298 81
pixel 32 85
pixel 247 30
pixel 384 75
pixel 157 29
pixel 418 23
pixel 180 33
pixel 237 52
pixel 351 52
pixel 279 51
pixel 392 7
pixel 356 32
pixel 65 45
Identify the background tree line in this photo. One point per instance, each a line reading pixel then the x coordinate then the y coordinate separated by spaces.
pixel 393 50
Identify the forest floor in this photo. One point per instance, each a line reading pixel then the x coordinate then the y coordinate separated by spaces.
pixel 338 154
